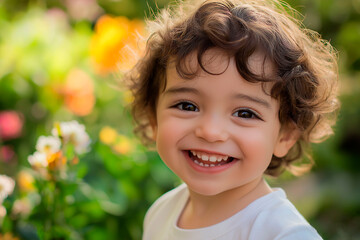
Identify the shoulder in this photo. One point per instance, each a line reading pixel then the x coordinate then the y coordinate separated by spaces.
pixel 279 219
pixel 167 204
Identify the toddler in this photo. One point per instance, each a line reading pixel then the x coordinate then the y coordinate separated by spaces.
pixel 230 91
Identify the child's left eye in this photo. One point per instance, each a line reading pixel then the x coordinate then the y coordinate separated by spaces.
pixel 186 106
pixel 245 113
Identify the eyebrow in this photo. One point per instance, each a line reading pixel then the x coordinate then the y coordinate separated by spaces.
pixel 175 90
pixel 260 101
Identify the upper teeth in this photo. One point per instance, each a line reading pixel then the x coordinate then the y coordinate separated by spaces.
pixel 209 157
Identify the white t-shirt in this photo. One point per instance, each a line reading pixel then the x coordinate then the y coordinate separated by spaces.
pixel 270 217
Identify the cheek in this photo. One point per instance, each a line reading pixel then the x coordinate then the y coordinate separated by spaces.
pixel 169 132
pixel 258 145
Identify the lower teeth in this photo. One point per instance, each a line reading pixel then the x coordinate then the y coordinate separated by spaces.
pixel 205 165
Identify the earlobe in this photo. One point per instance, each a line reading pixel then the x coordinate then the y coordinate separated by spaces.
pixel 153 126
pixel 154 132
pixel 287 138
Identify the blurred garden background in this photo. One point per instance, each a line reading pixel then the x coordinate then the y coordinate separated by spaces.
pixel 60 79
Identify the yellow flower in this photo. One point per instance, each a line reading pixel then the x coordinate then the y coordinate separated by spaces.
pixel 115 43
pixel 8 236
pixel 128 97
pixel 108 135
pixel 25 181
pixel 123 145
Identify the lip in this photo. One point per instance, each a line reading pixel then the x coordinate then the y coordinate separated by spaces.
pixel 208 170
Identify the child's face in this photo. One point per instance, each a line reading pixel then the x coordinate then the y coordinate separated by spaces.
pixel 218 132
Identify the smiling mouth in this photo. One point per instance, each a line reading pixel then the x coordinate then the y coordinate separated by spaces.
pixel 209 160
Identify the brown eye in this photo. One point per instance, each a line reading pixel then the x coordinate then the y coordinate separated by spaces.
pixel 245 113
pixel 186 106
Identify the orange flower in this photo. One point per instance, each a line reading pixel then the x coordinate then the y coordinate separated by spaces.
pixel 75 160
pixel 79 93
pixel 56 160
pixel 115 43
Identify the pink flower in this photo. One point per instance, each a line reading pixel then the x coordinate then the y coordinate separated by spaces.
pixel 10 125
pixel 6 153
pixel 83 9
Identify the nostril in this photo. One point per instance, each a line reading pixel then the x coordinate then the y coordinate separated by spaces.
pixel 211 134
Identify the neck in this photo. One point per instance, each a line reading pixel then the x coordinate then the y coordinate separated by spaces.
pixel 202 211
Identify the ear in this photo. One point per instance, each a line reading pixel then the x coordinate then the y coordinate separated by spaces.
pixel 287 138
pixel 153 125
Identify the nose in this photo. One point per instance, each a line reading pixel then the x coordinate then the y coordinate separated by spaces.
pixel 212 129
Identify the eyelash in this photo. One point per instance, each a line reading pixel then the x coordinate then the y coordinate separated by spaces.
pixel 181 106
pixel 253 115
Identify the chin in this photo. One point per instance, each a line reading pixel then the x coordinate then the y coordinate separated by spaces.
pixel 205 189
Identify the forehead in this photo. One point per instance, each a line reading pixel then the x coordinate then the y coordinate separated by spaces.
pixel 215 62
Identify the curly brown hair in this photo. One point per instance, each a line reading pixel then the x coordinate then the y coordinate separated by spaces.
pixel 306 81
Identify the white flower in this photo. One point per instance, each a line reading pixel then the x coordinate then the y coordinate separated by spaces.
pixel 74 133
pixel 38 159
pixel 7 185
pixel 48 144
pixel 2 211
pixel 21 207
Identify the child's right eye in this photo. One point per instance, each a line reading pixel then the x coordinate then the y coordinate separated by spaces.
pixel 186 106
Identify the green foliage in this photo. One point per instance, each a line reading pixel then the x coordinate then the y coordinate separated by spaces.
pixel 106 194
